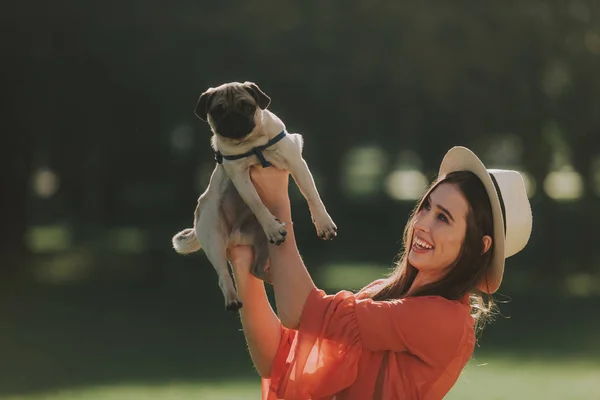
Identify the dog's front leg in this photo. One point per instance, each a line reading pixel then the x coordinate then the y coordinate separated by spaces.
pixel 274 229
pixel 325 226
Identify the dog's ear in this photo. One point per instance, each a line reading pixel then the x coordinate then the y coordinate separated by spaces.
pixel 261 98
pixel 203 104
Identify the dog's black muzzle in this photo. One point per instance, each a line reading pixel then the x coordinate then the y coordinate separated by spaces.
pixel 235 125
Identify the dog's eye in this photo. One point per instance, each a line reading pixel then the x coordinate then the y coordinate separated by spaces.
pixel 247 107
pixel 217 110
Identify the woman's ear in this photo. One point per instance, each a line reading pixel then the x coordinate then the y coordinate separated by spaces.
pixel 487 243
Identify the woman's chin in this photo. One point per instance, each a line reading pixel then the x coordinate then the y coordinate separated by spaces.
pixel 416 260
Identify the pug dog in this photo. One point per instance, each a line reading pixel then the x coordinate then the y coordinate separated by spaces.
pixel 230 212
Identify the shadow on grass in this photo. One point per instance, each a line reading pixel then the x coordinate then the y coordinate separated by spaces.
pixel 88 335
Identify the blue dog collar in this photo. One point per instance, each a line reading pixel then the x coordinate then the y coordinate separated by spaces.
pixel 257 151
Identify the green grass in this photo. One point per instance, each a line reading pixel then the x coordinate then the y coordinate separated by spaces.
pixel 167 337
pixel 234 390
pixel 486 377
pixel 528 378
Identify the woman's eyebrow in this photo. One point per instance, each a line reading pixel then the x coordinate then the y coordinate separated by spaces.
pixel 444 209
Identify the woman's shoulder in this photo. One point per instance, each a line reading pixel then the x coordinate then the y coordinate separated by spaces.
pixel 444 310
pixel 438 301
pixel 363 292
pixel 376 282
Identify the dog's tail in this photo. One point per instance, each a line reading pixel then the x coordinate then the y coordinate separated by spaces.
pixel 186 242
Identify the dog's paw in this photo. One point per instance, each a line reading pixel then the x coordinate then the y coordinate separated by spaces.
pixel 233 305
pixel 276 232
pixel 326 228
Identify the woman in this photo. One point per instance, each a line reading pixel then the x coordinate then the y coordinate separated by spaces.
pixel 407 336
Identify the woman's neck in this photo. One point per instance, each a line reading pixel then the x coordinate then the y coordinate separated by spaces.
pixel 422 279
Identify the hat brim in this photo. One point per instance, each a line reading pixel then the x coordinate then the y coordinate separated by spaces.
pixel 462 159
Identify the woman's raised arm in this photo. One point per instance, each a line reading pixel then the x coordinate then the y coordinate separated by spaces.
pixel 261 326
pixel 291 281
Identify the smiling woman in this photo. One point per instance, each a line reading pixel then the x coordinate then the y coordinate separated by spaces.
pixel 409 335
pixel 449 241
pixel 438 236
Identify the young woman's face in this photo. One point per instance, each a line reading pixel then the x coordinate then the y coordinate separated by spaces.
pixel 439 230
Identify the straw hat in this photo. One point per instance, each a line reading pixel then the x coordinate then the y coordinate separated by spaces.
pixel 510 209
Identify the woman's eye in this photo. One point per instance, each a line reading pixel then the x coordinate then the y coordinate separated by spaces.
pixel 443 217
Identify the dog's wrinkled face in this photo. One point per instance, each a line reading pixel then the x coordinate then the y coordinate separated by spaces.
pixel 231 109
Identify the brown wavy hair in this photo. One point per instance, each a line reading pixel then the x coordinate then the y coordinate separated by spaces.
pixel 469 268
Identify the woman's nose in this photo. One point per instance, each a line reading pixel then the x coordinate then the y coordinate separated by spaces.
pixel 422 223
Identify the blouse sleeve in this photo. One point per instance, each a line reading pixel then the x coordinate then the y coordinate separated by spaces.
pixel 271 384
pixel 321 357
pixel 429 327
pixel 335 329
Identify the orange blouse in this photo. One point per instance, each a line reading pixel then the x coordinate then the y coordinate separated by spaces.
pixel 348 347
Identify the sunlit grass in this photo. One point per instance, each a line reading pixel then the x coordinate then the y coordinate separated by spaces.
pixel 484 378
pixel 511 378
pixel 350 276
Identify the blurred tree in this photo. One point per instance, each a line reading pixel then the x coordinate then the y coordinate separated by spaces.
pixel 114 82
pixel 17 107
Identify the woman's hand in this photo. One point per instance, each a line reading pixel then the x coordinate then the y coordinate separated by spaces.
pixel 291 282
pixel 241 258
pixel 271 183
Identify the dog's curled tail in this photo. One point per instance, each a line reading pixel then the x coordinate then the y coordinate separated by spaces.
pixel 186 242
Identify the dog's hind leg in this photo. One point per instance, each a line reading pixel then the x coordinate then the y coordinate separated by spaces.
pixel 216 253
pixel 232 301
pixel 247 231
